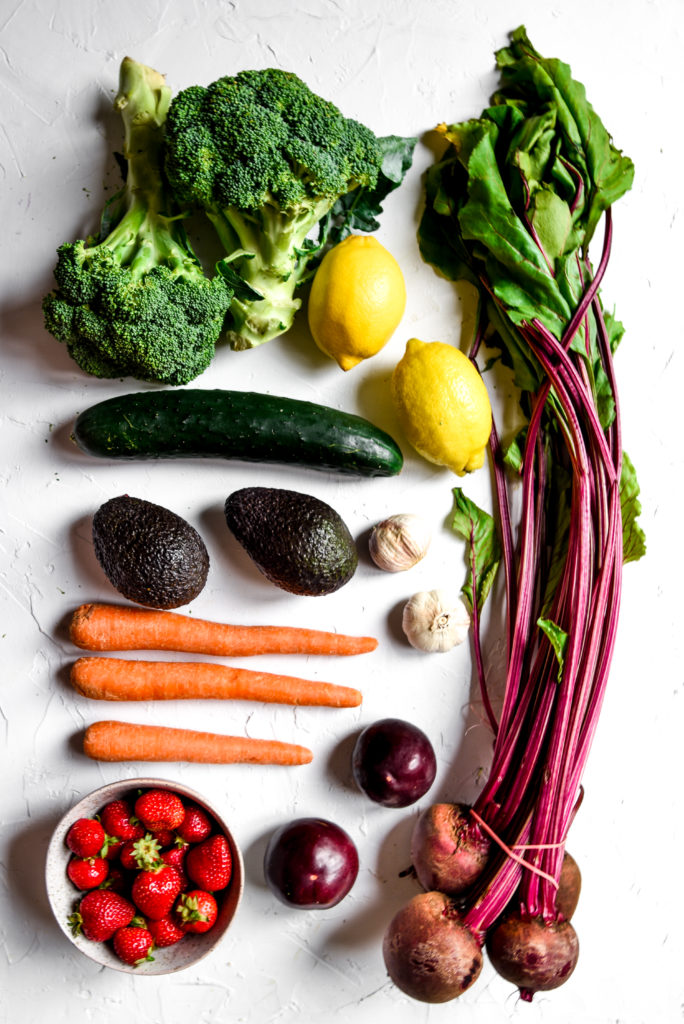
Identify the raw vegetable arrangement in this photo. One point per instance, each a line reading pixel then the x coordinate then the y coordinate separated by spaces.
pixel 152 868
pixel 511 207
pixel 269 162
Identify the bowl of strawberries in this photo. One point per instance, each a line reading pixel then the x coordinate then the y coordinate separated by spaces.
pixel 144 876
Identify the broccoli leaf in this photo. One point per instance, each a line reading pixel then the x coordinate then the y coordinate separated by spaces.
pixel 359 209
pixel 483 548
pixel 240 289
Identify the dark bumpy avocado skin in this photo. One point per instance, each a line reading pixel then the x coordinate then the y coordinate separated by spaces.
pixel 149 554
pixel 298 542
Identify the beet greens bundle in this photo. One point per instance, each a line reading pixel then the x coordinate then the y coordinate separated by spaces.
pixel 512 207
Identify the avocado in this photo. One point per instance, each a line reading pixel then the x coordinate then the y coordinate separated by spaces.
pixel 149 554
pixel 297 541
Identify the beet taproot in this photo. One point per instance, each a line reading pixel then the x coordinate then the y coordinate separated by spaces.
pixel 429 953
pixel 531 954
pixel 448 849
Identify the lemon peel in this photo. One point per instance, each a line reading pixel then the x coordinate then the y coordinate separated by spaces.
pixel 357 300
pixel 442 405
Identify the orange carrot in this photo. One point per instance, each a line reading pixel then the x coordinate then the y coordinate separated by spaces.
pixel 118 679
pixel 105 627
pixel 125 741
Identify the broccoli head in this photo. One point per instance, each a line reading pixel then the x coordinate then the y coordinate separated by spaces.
pixel 267 159
pixel 135 301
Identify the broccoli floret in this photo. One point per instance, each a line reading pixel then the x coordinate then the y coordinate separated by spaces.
pixel 267 159
pixel 135 301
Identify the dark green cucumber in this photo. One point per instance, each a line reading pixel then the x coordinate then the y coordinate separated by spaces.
pixel 245 425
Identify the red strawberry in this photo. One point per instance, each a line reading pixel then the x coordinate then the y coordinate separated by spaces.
pixel 165 931
pixel 195 826
pixel 87 872
pixel 196 911
pixel 154 892
pixel 133 945
pixel 114 847
pixel 86 837
pixel 140 853
pixel 100 913
pixel 175 855
pixel 127 855
pixel 119 822
pixel 165 837
pixel 116 880
pixel 210 864
pixel 175 858
pixel 159 809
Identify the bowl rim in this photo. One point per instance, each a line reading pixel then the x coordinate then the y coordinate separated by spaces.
pixel 58 855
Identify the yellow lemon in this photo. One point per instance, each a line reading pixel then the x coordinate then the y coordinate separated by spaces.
pixel 443 405
pixel 357 299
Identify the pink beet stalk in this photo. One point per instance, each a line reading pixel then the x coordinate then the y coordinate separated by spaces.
pixel 547 722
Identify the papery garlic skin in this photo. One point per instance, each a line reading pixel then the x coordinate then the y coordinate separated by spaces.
pixel 435 620
pixel 399 542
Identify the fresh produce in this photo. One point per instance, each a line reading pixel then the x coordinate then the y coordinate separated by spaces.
pixel 533 954
pixel 243 425
pixel 133 944
pixel 100 914
pixel 156 906
pixel 126 741
pixel 196 910
pixel 117 679
pixel 270 162
pixel 103 627
pixel 134 300
pixel 150 555
pixel 166 931
pixel 119 822
pixel 195 825
pixel 428 952
pixel 512 208
pixel 139 853
pixel 87 872
pixel 175 855
pixel 357 300
pixel 159 809
pixel 210 864
pixel 399 542
pixel 435 620
pixel 442 405
pixel 154 892
pixel 393 762
pixel 310 863
pixel 449 851
pixel 86 837
pixel 569 887
pixel 298 542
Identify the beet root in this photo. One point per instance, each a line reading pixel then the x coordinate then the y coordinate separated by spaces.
pixel 448 849
pixel 429 953
pixel 533 955
pixel 569 887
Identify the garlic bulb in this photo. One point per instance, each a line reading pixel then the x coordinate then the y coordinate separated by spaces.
pixel 399 542
pixel 435 620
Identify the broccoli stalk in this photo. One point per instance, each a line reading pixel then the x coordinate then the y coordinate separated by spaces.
pixel 270 257
pixel 135 301
pixel 268 161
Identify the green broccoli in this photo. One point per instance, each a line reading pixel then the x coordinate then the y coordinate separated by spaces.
pixel 268 160
pixel 135 301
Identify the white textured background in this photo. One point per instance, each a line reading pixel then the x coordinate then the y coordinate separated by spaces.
pixel 401 67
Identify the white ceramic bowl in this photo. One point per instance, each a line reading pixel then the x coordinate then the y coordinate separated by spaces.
pixel 63 895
